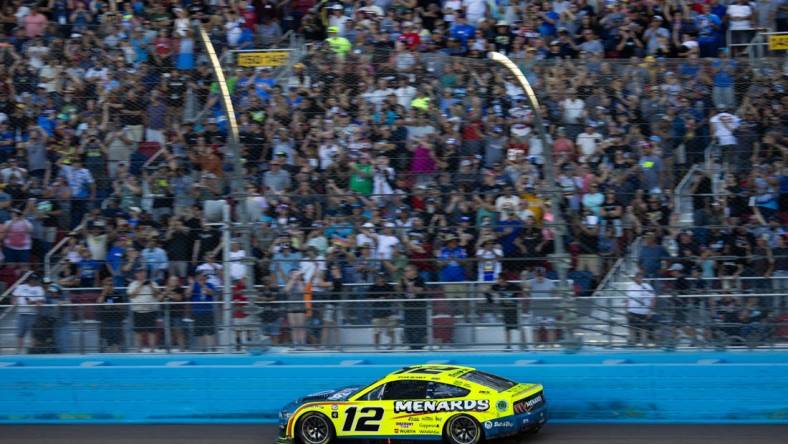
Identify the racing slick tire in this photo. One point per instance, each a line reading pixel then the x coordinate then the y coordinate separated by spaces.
pixel 314 428
pixel 462 429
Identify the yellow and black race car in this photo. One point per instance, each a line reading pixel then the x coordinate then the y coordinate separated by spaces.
pixel 459 405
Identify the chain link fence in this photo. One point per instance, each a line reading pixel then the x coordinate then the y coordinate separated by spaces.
pixel 103 321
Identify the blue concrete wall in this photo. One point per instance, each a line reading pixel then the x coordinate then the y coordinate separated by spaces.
pixel 744 387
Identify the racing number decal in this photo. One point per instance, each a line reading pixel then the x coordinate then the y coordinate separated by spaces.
pixel 368 420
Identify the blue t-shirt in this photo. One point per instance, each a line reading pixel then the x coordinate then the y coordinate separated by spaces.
pixel 507 242
pixel 724 77
pixel 199 295
pixel 462 32
pixel 115 258
pixel 453 271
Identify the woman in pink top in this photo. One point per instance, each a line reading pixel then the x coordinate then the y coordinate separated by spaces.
pixel 35 23
pixel 423 164
pixel 16 239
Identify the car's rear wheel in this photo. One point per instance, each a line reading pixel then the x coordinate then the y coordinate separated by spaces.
pixel 315 428
pixel 462 429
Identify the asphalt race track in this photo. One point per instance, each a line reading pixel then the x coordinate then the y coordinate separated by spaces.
pixel 261 434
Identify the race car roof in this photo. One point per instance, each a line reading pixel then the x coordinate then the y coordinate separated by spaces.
pixel 431 370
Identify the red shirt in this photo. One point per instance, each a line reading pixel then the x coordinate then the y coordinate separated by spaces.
pixel 239 301
pixel 411 39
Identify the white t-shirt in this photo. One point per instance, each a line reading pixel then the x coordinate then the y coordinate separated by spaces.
pixel 474 10
pixel 145 301
pixel 573 110
pixel 740 11
pixel 723 125
pixel 587 144
pixel 386 246
pixel 27 296
pixel 639 298
pixel 237 267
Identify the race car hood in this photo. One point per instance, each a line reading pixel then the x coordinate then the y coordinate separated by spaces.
pixel 340 394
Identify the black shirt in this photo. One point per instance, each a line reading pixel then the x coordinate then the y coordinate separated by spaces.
pixel 133 105
pixel 383 308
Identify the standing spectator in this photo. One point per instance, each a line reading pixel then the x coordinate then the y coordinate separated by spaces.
pixel 415 319
pixel 83 188
pixel 489 260
pixel 111 316
pixel 27 298
pixel 144 296
pixel 179 241
pixel 722 92
pixel 507 295
pixel 641 302
pixel 383 319
pixel 202 295
pixel 542 293
pixel 154 260
pixel 35 23
pixel 270 311
pixel 296 308
pixel 173 295
pixel 60 315
pixel 723 126
pixel 452 260
pixel 740 22
pixel 651 255
pixel 17 240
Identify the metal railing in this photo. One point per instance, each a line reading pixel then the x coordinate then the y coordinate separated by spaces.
pixel 696 320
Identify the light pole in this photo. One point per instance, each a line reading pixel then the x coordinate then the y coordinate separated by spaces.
pixel 559 258
pixel 238 189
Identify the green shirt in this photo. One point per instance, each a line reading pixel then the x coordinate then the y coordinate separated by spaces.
pixel 362 183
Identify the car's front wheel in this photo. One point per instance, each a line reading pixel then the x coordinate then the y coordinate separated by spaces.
pixel 315 428
pixel 462 429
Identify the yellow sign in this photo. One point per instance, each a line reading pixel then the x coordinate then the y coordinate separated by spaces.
pixel 263 58
pixel 778 42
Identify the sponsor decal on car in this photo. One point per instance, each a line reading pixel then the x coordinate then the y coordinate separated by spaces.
pixel 404 425
pixel 488 425
pixel 501 405
pixel 526 405
pixel 441 406
pixel 502 424
pixel 342 394
pixel 335 415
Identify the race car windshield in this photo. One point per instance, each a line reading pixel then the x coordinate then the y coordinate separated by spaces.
pixel 490 381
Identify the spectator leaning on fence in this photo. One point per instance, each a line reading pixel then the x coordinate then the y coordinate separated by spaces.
pixel 27 299
pixel 641 305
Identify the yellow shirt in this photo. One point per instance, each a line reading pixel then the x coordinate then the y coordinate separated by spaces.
pixel 339 45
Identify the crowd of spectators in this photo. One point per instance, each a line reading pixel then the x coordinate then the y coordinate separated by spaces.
pixel 393 144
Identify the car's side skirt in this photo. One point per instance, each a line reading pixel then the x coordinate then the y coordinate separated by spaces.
pixel 397 437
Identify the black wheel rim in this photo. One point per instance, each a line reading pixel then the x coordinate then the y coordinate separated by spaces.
pixel 464 430
pixel 314 429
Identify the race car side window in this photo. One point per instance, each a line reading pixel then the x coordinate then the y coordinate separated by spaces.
pixel 374 394
pixel 397 390
pixel 438 390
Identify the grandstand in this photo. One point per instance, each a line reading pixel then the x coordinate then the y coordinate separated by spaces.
pixel 388 186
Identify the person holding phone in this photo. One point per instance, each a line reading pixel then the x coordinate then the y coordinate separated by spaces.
pixel 144 296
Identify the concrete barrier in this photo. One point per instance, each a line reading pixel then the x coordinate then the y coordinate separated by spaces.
pixel 647 387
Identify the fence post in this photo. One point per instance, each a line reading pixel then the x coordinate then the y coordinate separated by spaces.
pixel 430 332
pixel 128 328
pixel 473 312
pixel 167 331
